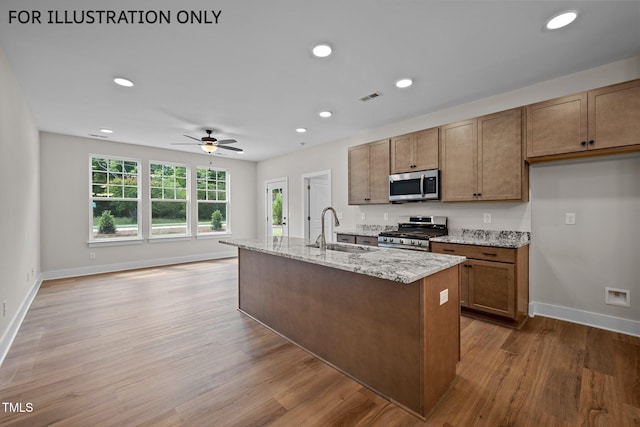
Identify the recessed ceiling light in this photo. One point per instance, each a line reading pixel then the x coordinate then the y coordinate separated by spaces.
pixel 404 83
pixel 322 50
pixel 123 82
pixel 325 114
pixel 301 130
pixel 561 20
pixel 105 130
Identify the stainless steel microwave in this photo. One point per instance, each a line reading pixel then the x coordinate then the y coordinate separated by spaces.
pixel 414 186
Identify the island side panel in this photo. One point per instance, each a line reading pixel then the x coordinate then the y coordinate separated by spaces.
pixel 369 328
pixel 441 334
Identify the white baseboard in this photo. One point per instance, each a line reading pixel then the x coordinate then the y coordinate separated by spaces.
pixel 111 268
pixel 596 320
pixel 14 326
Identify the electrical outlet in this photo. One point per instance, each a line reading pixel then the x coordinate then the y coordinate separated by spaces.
pixel 487 218
pixel 444 296
pixel 362 216
pixel 92 255
pixel 386 216
pixel 570 218
pixel 620 297
pixel 339 215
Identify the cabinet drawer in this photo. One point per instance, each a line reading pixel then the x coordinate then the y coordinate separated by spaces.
pixel 488 253
pixel 346 238
pixel 366 240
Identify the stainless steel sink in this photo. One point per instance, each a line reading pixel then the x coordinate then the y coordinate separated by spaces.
pixel 345 248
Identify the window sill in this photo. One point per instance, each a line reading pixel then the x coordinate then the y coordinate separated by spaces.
pixel 164 239
pixel 115 242
pixel 209 236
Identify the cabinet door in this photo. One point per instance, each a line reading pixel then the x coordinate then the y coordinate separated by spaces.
pixel 557 126
pixel 426 149
pixel 379 172
pixel 459 150
pixel 614 116
pixel 500 156
pixel 358 174
pixel 402 155
pixel 492 287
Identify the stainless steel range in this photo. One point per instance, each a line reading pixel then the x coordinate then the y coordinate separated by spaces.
pixel 414 233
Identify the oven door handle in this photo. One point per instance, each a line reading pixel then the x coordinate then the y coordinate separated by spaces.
pixel 422 184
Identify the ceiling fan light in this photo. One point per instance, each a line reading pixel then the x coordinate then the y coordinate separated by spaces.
pixel 208 148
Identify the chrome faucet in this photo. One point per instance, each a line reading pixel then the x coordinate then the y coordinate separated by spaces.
pixel 323 240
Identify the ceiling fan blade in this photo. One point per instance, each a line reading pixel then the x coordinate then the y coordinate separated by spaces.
pixel 230 148
pixel 195 139
pixel 226 141
pixel 184 143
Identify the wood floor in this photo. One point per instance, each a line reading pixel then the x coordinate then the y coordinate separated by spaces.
pixel 167 347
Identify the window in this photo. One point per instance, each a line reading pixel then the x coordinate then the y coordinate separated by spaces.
pixel 115 190
pixel 213 188
pixel 168 189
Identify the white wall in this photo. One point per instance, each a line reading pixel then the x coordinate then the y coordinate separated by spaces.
pixel 505 216
pixel 20 211
pixel 65 209
pixel 572 264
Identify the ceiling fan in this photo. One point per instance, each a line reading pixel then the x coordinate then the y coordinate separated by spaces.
pixel 210 144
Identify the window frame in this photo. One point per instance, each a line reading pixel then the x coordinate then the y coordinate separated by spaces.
pixel 227 202
pixel 187 201
pixel 109 241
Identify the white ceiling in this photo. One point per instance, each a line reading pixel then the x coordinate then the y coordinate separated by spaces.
pixel 252 77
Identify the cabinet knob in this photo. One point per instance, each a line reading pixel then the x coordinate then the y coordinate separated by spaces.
pixel 583 143
pixel 591 142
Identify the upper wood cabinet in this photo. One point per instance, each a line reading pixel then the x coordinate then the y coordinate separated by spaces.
pixel 369 173
pixel 415 151
pixel 572 126
pixel 482 159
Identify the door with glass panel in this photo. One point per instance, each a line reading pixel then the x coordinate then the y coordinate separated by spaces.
pixel 277 207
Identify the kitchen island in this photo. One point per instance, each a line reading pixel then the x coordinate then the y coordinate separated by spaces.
pixel 387 318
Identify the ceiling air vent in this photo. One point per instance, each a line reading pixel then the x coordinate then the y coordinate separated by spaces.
pixel 370 96
pixel 97 136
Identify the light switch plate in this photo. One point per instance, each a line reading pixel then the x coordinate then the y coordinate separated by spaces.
pixel 444 296
pixel 386 216
pixel 362 216
pixel 487 218
pixel 570 218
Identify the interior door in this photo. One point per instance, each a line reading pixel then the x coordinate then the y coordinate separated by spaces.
pixel 277 207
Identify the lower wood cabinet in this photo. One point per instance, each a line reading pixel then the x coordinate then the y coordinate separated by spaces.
pixel 359 240
pixel 492 280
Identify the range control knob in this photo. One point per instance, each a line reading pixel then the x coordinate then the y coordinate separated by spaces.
pixel 401 242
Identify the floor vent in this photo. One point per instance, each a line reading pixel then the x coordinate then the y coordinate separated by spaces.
pixel 370 96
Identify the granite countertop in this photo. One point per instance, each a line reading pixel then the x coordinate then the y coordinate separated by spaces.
pixel 397 265
pixel 501 239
